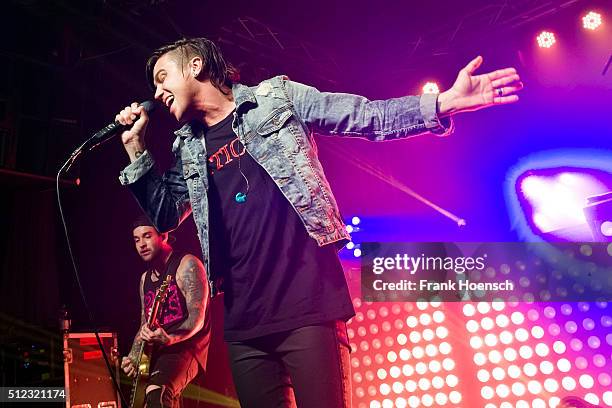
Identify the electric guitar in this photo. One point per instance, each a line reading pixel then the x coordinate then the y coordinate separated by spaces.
pixel 143 357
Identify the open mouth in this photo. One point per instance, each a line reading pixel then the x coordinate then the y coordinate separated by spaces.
pixel 169 101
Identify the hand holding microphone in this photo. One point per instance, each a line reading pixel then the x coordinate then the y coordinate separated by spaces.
pixel 135 117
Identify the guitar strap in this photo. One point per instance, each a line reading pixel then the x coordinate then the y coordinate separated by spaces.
pixel 172 265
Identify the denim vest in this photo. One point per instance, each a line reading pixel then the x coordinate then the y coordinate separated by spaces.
pixel 275 121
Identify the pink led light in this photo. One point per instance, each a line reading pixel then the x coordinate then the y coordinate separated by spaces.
pixel 591 20
pixel 546 39
pixel 431 88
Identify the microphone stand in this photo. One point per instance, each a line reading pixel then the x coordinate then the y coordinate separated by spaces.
pixel 88 145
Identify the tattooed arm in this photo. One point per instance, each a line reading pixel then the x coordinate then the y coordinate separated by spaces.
pixel 191 281
pixel 128 363
pixel 137 339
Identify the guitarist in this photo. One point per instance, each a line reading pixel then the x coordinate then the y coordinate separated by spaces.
pixel 181 338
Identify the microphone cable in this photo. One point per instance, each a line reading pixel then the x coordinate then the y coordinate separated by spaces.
pixel 66 166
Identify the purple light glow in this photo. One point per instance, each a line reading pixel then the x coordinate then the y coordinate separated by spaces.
pixel 554 199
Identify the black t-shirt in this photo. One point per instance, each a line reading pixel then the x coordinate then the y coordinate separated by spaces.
pixel 174 312
pixel 275 276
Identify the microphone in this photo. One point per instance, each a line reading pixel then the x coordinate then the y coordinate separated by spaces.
pixel 109 131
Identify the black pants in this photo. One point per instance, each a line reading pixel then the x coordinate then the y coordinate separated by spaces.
pixel 172 372
pixel 308 366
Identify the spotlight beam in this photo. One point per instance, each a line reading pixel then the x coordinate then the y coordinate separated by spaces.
pixel 605 70
pixel 376 172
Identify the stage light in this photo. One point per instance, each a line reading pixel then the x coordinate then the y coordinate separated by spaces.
pixel 412 322
pixel 530 369
pixel 563 365
pixel 521 334
pixel 445 348
pixel 490 340
pixel 487 323
pixel 502 320
pixel 424 384
pixel 510 354
pixel 476 342
pixel 514 371
pixel 557 200
pixel 435 366
pixel 487 392
pixel 441 398
pixel 495 356
pixel 357 252
pixel 517 318
pixel 452 380
pixel 455 397
pixel 546 39
pixel 502 390
pixel 407 370
pixel 448 364
pixel 586 381
pixel 472 326
pixel 480 359
pixel 525 352
pixel 441 332
pixel 591 20
pixel 591 398
pixel 411 385
pixel 568 383
pixel 431 88
pixel 425 319
pixel 498 373
pixel 524 404
pixel 537 332
pixel 469 309
pixel 395 372
pixel 355 220
pixel 505 337
pixel 483 307
pixel 542 349
pixel 518 389
pixel 546 367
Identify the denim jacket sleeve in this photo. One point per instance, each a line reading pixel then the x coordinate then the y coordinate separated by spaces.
pixel 344 114
pixel 164 198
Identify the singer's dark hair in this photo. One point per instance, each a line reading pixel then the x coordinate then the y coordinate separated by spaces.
pixel 216 69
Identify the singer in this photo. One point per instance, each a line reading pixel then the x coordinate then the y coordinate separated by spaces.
pixel 246 167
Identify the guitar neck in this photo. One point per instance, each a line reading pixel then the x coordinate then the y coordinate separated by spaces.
pixel 160 297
